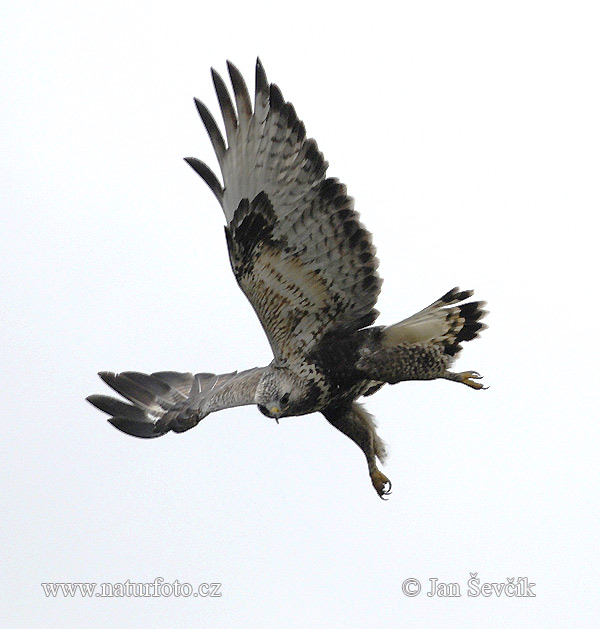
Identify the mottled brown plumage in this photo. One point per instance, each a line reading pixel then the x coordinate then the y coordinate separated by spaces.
pixel 307 265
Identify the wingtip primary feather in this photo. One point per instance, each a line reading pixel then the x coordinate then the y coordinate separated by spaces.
pixel 109 405
pixel 207 175
pixel 261 94
pixel 276 97
pixel 214 133
pixel 107 376
pixel 96 400
pixel 261 75
pixel 226 105
pixel 240 91
pixel 135 429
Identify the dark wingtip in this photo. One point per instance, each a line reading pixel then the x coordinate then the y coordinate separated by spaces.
pixel 231 67
pixel 240 91
pixel 94 400
pixel 261 77
pixel 212 129
pixel 276 98
pixel 135 429
pixel 107 376
pixel 227 109
pixel 208 175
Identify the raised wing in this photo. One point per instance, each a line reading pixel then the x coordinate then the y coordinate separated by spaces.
pixel 297 247
pixel 168 400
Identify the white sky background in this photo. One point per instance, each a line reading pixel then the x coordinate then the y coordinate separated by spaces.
pixel 468 133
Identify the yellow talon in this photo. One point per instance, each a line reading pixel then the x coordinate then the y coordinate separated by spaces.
pixel 382 484
pixel 469 377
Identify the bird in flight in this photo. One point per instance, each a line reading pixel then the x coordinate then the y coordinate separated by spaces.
pixel 307 265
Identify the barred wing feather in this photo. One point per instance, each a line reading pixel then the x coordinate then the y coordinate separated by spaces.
pixel 169 400
pixel 297 247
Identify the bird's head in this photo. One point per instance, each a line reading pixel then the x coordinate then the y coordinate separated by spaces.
pixel 280 393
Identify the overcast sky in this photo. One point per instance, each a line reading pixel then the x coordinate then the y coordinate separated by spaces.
pixel 468 134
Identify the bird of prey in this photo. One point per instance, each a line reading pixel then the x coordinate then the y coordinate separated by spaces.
pixel 307 265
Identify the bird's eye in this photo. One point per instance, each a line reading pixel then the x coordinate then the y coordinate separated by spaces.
pixel 285 398
pixel 264 411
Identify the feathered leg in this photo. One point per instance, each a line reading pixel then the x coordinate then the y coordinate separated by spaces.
pixel 355 422
pixel 413 361
pixel 423 346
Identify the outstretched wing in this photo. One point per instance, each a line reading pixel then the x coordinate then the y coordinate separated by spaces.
pixel 168 400
pixel 297 247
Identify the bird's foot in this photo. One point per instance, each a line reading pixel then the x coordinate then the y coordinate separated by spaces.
pixel 382 484
pixel 469 377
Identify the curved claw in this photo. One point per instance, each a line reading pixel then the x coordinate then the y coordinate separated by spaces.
pixel 382 484
pixel 386 492
pixel 469 377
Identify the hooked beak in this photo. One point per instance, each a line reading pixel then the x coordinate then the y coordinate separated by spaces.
pixel 275 413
